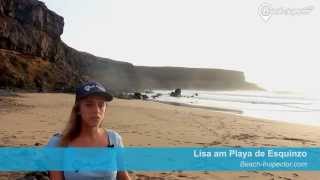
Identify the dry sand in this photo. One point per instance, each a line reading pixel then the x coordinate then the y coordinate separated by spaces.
pixel 32 118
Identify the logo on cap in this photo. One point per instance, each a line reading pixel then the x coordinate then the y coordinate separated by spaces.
pixel 89 87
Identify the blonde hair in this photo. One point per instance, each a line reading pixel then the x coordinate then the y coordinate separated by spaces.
pixel 73 127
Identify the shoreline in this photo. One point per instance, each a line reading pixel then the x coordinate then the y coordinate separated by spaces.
pixel 199 106
pixel 234 112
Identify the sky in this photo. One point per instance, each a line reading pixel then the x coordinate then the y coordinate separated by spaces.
pixel 275 43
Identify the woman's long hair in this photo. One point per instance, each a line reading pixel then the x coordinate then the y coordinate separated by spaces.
pixel 73 127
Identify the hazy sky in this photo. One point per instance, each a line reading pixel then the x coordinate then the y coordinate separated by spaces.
pixel 279 52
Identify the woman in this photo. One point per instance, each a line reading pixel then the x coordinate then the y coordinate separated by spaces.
pixel 84 129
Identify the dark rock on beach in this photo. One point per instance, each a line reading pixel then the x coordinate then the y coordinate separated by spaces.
pixel 135 95
pixel 176 93
pixel 145 97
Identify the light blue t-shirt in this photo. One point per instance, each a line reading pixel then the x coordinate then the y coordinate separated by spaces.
pixel 114 139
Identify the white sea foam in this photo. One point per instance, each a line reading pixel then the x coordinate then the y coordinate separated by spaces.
pixel 288 107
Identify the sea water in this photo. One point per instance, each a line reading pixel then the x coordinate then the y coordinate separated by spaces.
pixel 280 106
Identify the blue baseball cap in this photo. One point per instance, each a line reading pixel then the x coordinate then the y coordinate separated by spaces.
pixel 92 88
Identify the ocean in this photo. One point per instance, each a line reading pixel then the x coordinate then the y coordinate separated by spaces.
pixel 279 106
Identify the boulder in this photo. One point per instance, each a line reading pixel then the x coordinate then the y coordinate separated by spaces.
pixel 176 93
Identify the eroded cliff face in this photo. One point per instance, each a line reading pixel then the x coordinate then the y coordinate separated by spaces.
pixel 30 36
pixel 32 55
pixel 27 26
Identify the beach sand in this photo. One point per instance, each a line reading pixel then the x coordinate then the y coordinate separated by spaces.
pixel 32 118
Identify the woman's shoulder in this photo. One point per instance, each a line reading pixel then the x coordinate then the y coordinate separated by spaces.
pixel 114 138
pixel 54 140
pixel 113 132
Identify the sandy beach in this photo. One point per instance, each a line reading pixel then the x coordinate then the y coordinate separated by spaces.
pixel 32 118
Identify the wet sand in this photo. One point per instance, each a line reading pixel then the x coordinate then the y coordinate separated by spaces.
pixel 32 118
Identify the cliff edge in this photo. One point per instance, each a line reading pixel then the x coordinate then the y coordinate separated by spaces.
pixel 32 56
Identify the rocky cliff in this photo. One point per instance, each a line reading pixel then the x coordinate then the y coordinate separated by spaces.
pixel 32 55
